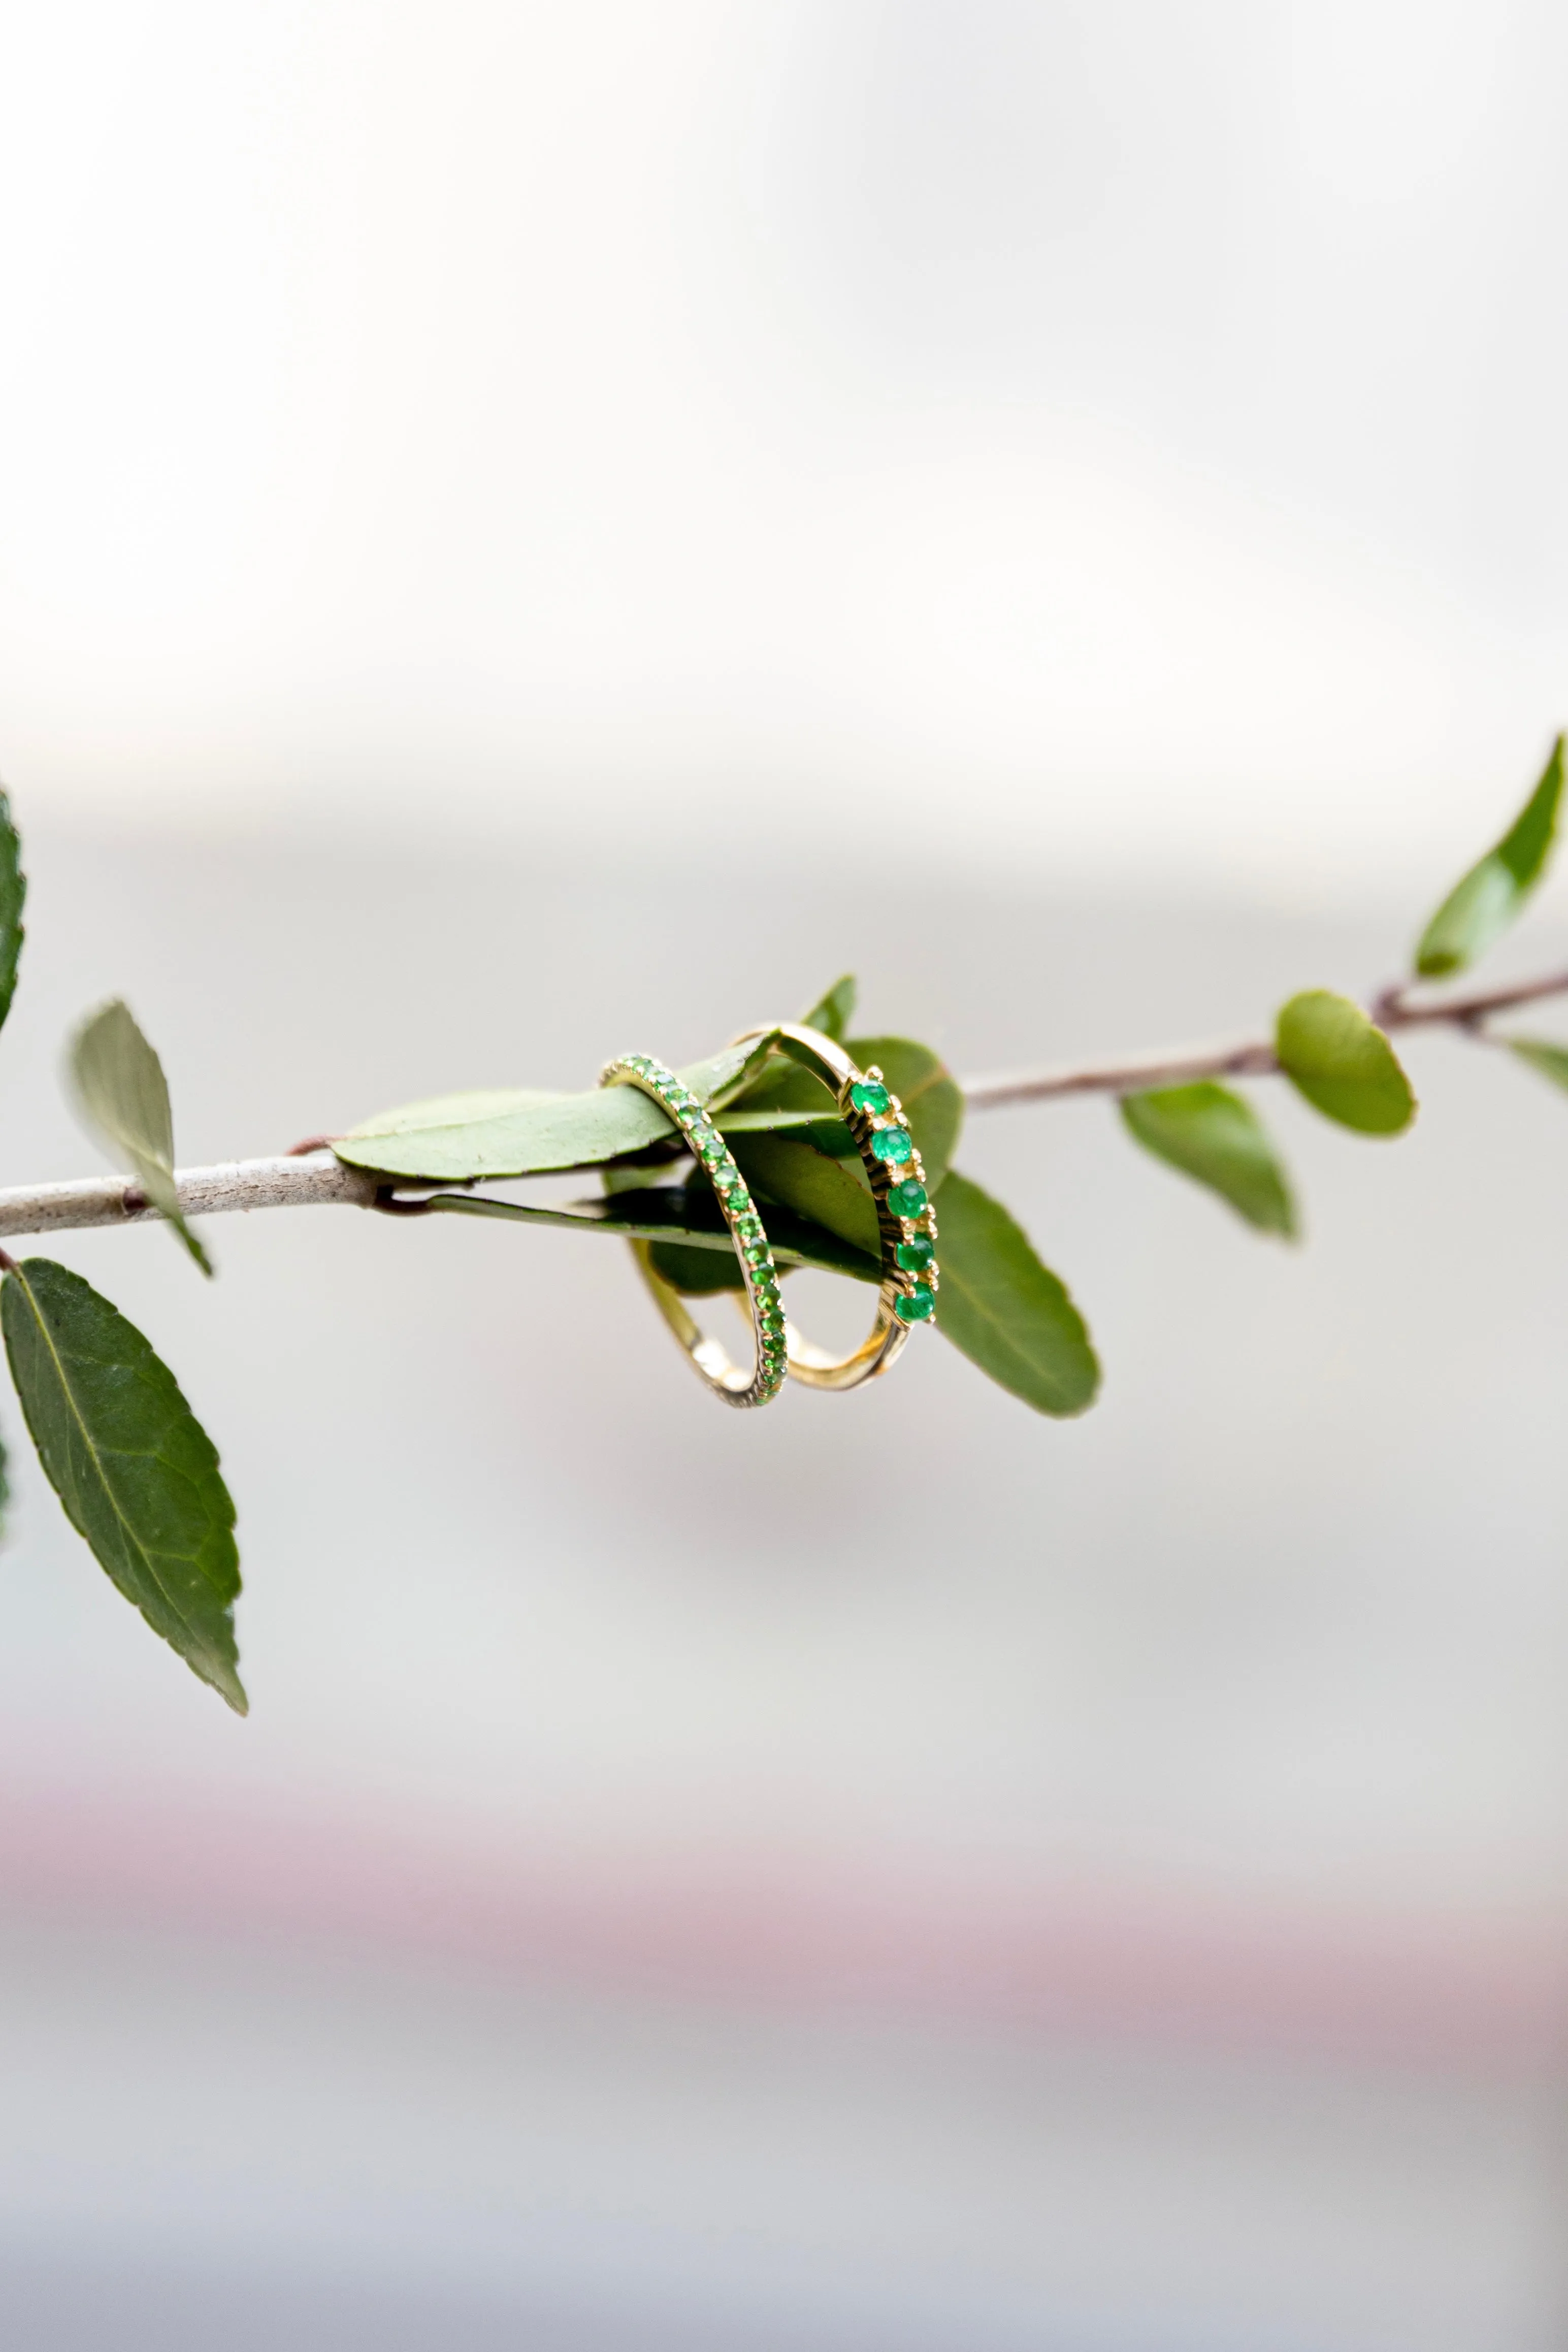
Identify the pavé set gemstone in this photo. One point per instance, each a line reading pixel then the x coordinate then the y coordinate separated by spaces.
pixel 711 1153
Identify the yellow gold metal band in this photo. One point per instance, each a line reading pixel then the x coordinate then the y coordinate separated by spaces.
pixel 708 1148
pixel 906 1221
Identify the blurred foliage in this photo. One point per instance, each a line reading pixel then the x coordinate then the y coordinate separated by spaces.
pixel 1215 1137
pixel 1481 904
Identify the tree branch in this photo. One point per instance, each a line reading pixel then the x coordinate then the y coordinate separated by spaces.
pixel 313 1177
pixel 283 1183
pixel 1395 1008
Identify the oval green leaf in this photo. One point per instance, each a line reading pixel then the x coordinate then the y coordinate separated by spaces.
pixel 13 897
pixel 1216 1137
pixel 1483 903
pixel 125 1098
pixel 462 1138
pixel 1007 1311
pixel 136 1472
pixel 1345 1067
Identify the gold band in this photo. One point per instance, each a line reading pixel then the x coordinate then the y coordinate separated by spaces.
pixel 708 1148
pixel 905 1219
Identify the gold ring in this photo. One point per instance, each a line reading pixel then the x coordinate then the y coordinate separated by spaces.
pixel 905 1219
pixel 708 1148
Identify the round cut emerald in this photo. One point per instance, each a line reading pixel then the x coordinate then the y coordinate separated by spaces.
pixel 893 1144
pixel 908 1198
pixel 867 1095
pixel 916 1304
pixel 915 1255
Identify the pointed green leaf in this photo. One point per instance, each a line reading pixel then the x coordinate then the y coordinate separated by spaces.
pixel 1007 1311
pixel 1346 1068
pixel 671 1213
pixel 136 1472
pixel 1551 1060
pixel 459 1138
pixel 124 1095
pixel 833 1013
pixel 1217 1138
pixel 1481 906
pixel 13 897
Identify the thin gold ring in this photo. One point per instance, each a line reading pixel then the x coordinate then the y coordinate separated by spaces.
pixel 708 1148
pixel 906 1220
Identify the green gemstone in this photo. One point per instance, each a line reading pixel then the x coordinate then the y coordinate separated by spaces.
pixel 893 1144
pixel 909 1198
pixel 916 1304
pixel 713 1147
pixel 867 1095
pixel 914 1256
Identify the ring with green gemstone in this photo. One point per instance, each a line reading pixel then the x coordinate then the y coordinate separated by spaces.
pixel 906 1220
pixel 708 1148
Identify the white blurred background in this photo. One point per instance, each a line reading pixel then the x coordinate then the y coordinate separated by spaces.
pixel 530 531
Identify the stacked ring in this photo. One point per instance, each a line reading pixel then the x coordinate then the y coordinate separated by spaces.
pixel 906 1220
pixel 708 1148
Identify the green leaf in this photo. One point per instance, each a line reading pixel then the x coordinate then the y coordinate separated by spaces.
pixel 1551 1060
pixel 833 1013
pixel 13 897
pixel 667 1213
pixel 927 1089
pixel 459 1138
pixel 1346 1068
pixel 818 1173
pixel 122 1094
pixel 1481 906
pixel 824 1129
pixel 1217 1138
pixel 1007 1311
pixel 136 1472
pixel 828 1190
